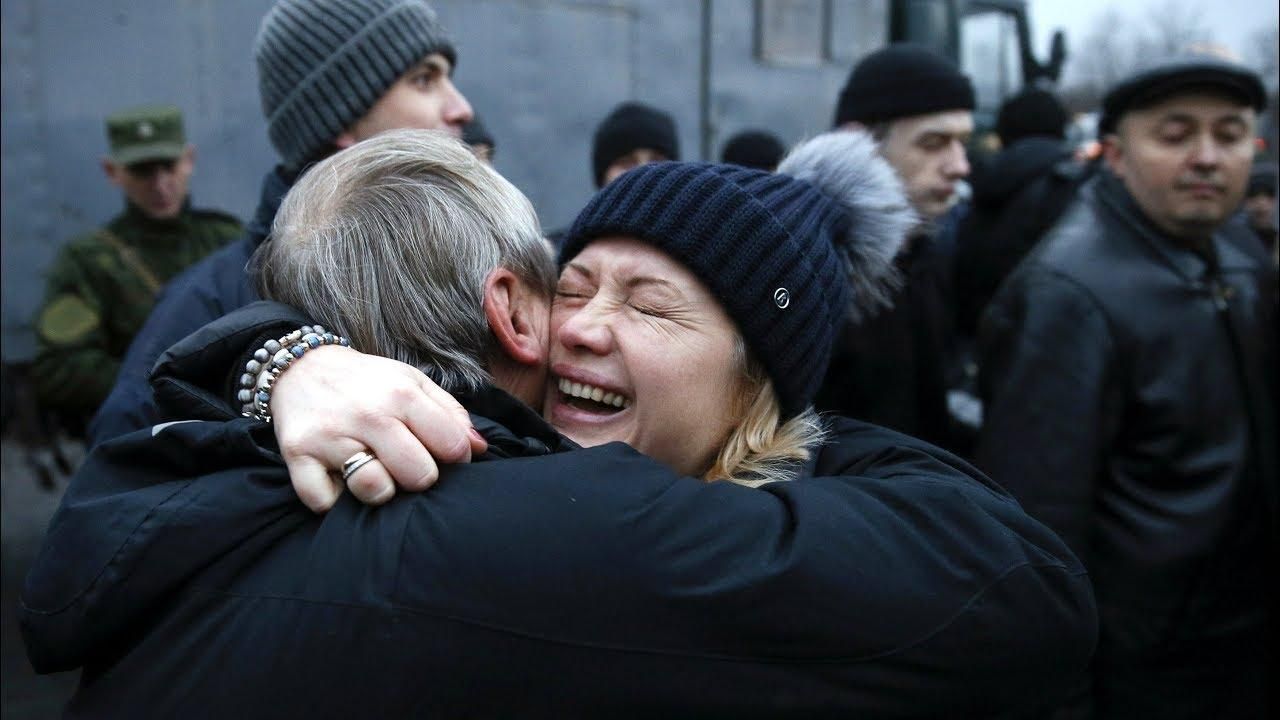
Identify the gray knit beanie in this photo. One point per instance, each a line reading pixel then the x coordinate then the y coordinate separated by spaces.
pixel 323 63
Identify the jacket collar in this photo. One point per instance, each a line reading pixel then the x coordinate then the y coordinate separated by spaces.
pixel 135 217
pixel 274 187
pixel 512 428
pixel 1116 200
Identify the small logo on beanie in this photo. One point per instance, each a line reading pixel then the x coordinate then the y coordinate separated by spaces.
pixel 782 297
pixel 145 130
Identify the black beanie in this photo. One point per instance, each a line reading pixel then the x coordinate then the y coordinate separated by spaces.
pixel 1262 179
pixel 789 255
pixel 475 133
pixel 754 149
pixel 902 80
pixel 1031 113
pixel 632 126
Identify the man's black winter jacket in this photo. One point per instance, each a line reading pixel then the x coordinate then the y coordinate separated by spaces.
pixel 893 580
pixel 1130 399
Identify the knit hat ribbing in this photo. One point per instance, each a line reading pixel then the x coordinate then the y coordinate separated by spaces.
pixel 902 80
pixel 322 64
pixel 789 254
pixel 632 126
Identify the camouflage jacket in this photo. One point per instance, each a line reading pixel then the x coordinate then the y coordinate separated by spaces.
pixel 99 291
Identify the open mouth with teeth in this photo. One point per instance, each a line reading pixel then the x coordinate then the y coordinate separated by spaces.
pixel 591 398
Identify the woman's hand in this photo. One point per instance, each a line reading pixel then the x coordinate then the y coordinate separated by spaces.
pixel 337 402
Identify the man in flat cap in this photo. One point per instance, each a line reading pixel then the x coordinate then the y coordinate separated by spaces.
pixel 1128 374
pixel 103 284
pixel 889 369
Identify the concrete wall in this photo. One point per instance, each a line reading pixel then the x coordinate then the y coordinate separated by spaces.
pixel 542 73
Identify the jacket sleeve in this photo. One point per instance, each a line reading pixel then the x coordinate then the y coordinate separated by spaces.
pixel 200 294
pixel 74 368
pixel 1050 399
pixel 143 514
pixel 908 589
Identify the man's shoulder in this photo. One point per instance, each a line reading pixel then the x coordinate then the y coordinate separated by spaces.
pixel 855 447
pixel 218 221
pixel 1074 239
pixel 226 263
pixel 89 251
pixel 88 241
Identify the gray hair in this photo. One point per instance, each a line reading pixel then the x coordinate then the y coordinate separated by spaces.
pixel 390 242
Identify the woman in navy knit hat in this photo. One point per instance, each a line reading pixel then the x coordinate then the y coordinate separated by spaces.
pixel 706 299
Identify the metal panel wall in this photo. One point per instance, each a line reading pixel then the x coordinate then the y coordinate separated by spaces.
pixel 793 102
pixel 68 63
pixel 542 73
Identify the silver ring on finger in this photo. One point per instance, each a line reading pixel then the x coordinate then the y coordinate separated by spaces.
pixel 355 462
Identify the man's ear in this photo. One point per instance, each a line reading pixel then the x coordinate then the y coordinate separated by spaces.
pixel 112 171
pixel 345 140
pixel 1113 153
pixel 507 309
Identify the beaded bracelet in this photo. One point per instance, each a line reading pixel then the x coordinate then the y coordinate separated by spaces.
pixel 272 359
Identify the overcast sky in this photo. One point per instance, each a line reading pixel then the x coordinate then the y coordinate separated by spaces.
pixel 1229 21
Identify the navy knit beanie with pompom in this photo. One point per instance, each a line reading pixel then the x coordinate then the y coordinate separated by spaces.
pixel 790 255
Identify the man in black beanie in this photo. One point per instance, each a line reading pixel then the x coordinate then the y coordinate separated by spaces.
pixel 479 139
pixel 330 73
pixel 1033 112
pixel 757 149
pixel 1260 204
pixel 890 369
pixel 633 134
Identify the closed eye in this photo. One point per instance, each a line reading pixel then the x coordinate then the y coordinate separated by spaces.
pixel 649 311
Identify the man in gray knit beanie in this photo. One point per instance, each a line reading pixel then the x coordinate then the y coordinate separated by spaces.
pixel 330 74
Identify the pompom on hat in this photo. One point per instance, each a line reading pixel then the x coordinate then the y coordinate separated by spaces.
pixel 790 255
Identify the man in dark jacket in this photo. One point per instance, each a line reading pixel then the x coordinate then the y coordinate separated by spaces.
pixel 330 73
pixel 104 283
pixel 891 579
pixel 1260 205
pixel 1127 369
pixel 890 369
pixel 1017 196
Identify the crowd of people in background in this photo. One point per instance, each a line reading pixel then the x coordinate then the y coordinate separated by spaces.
pixel 1062 369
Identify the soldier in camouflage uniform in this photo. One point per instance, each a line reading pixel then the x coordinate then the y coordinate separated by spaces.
pixel 103 284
